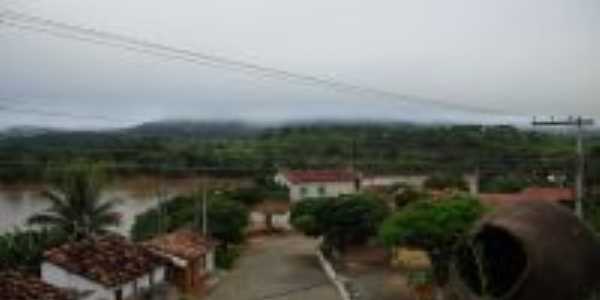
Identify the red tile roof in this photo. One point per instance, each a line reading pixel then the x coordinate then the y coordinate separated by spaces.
pixel 184 244
pixel 16 286
pixel 297 177
pixel 543 194
pixel 109 260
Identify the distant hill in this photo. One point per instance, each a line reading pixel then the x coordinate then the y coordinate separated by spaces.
pixel 25 131
pixel 196 129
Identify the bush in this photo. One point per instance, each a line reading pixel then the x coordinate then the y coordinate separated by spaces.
pixel 25 249
pixel 225 258
pixel 503 184
pixel 446 181
pixel 342 221
pixel 227 219
pixel 434 226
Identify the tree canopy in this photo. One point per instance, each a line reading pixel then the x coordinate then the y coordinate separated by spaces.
pixel 435 226
pixel 76 207
pixel 342 221
pixel 227 218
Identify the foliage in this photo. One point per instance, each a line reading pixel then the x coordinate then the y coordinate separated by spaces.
pixel 25 249
pixel 170 148
pixel 307 216
pixel 441 181
pixel 342 221
pixel 227 219
pixel 592 214
pixel 407 195
pixel 503 184
pixel 420 278
pixel 165 217
pixel 76 208
pixel 225 258
pixel 435 226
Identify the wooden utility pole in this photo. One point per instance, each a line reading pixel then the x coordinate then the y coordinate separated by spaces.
pixel 580 123
pixel 204 208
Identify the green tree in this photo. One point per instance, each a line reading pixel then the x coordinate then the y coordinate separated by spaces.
pixel 76 208
pixel 442 181
pixel 24 249
pixel 343 221
pixel 407 195
pixel 227 220
pixel 435 226
pixel 503 184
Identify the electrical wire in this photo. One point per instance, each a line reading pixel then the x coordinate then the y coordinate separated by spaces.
pixel 65 30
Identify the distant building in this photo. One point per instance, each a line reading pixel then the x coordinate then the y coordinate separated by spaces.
pixel 17 286
pixel 191 258
pixel 387 180
pixel 318 183
pixel 558 195
pixel 107 268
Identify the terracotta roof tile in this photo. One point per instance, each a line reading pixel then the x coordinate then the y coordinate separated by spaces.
pixel 319 176
pixel 542 194
pixel 17 286
pixel 109 261
pixel 184 244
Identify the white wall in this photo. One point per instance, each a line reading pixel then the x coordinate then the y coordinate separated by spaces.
pixel 210 261
pixel 416 181
pixel 280 179
pixel 332 189
pixel 57 276
pixel 279 220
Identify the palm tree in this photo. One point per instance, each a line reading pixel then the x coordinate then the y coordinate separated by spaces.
pixel 76 209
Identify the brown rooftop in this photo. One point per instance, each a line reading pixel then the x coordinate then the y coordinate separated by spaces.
pixel 314 176
pixel 16 286
pixel 540 194
pixel 109 261
pixel 184 244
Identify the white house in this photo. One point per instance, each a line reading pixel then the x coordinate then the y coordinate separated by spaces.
pixel 191 257
pixel 317 183
pixel 381 180
pixel 107 268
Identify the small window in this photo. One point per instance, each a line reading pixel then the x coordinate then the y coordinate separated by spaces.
pixel 119 294
pixel 303 191
pixel 322 191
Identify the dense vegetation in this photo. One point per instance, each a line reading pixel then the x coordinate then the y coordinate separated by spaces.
pixel 76 210
pixel 227 220
pixel 435 226
pixel 342 221
pixel 24 250
pixel 234 149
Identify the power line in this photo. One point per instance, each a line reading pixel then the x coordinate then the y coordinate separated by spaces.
pixel 45 113
pixel 80 33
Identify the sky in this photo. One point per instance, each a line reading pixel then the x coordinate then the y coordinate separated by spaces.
pixel 511 59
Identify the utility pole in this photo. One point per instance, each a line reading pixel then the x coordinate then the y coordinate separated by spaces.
pixel 204 208
pixel 580 123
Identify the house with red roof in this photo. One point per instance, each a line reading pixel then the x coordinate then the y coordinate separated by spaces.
pixel 105 268
pixel 191 258
pixel 18 286
pixel 305 184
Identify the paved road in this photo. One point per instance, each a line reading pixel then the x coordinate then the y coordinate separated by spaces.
pixel 277 268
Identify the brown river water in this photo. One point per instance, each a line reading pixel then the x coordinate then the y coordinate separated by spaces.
pixel 132 195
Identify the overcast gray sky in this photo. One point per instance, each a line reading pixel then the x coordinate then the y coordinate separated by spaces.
pixel 521 57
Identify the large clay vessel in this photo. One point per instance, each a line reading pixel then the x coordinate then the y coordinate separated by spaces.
pixel 528 251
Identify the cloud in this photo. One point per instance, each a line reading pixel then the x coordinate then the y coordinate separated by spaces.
pixel 521 57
